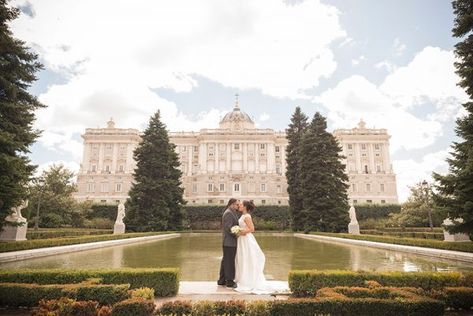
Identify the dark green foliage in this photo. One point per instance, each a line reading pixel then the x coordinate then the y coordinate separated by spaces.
pixel 135 307
pixel 65 232
pixel 41 243
pixel 455 190
pixel 455 297
pixel 57 206
pixel 294 134
pixel 103 211
pixel 406 234
pixel 28 295
pixel 428 243
pixel 376 211
pixel 323 180
pixel 175 308
pixel 305 283
pixel 209 217
pixel 66 307
pixel 156 197
pixel 165 281
pixel 17 72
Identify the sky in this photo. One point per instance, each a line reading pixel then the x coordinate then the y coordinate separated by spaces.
pixel 388 62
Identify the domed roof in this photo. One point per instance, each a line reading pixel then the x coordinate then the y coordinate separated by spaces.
pixel 236 118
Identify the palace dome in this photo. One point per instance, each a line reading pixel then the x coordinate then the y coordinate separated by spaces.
pixel 237 119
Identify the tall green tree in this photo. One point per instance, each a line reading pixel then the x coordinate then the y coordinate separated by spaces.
pixel 294 135
pixel 53 195
pixel 323 179
pixel 455 190
pixel 17 72
pixel 156 197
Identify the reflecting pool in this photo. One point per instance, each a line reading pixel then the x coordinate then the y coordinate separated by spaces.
pixel 198 256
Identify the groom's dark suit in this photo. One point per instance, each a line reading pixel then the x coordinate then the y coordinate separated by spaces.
pixel 227 266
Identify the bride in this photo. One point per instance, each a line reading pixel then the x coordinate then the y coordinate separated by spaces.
pixel 250 259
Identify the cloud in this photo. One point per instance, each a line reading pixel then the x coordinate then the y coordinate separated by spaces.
pixel 388 66
pixel 398 47
pixel 70 165
pixel 357 61
pixel 410 171
pixel 264 117
pixel 428 79
pixel 279 48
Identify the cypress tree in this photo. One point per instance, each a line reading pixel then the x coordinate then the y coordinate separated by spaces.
pixel 156 200
pixel 323 180
pixel 294 134
pixel 455 190
pixel 17 72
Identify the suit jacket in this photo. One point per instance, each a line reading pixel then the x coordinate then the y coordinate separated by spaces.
pixel 229 219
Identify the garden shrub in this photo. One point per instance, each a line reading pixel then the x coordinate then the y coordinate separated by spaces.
pixel 164 281
pixel 28 295
pixel 143 292
pixel 305 283
pixel 134 307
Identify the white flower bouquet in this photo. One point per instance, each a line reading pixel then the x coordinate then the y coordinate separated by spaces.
pixel 236 230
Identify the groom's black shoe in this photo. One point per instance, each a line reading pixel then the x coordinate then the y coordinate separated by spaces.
pixel 231 284
pixel 222 283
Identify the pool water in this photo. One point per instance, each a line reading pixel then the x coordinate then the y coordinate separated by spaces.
pixel 198 256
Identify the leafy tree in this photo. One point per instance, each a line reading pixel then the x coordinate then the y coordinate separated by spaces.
pixel 294 135
pixel 54 196
pixel 455 190
pixel 323 179
pixel 17 72
pixel 156 200
pixel 415 212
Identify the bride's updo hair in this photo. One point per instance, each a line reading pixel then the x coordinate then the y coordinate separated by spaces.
pixel 249 205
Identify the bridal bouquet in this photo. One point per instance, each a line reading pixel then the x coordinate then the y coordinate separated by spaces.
pixel 235 230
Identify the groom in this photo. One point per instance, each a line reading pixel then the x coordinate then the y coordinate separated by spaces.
pixel 227 266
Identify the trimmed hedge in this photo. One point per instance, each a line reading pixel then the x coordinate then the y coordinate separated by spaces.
pixel 208 217
pixel 376 211
pixel 305 283
pixel 29 295
pixel 427 243
pixel 62 232
pixel 164 281
pixel 404 234
pixel 53 242
pixel 455 297
pixel 134 307
pixel 67 306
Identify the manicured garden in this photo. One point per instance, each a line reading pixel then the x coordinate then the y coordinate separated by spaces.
pixel 418 242
pixel 132 292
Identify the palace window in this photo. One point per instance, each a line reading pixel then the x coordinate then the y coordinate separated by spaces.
pixel 196 148
pixel 118 187
pixel 278 188
pixel 279 202
pixel 363 155
pixel 236 146
pixel 236 187
pixel 350 146
pixel 262 146
pixel 263 202
pixel 104 187
pixel 121 168
pixel 383 201
pixel 107 168
pixel 353 187
pixel 363 146
pixel 368 187
pixel 277 149
pixel 366 168
pixel 184 148
pixel 278 169
pixel 222 187
pixel 222 201
pixel 355 201
pixel 381 187
pixel 210 187
pixel 210 201
pixel 369 201
pixel 94 168
pixel 378 168
pixel 263 187
pixel 194 188
pixel 376 146
pixel 90 187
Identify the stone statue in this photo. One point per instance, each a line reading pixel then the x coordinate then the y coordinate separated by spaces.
pixel 352 214
pixel 353 227
pixel 120 213
pixel 17 230
pixel 119 227
pixel 458 237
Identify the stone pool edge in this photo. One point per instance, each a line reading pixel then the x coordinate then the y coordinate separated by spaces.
pixel 49 251
pixel 431 252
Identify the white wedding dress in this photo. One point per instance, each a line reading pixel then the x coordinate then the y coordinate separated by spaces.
pixel 249 266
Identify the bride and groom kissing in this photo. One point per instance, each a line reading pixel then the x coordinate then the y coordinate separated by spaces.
pixel 243 260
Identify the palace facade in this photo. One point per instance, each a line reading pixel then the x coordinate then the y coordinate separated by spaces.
pixel 235 160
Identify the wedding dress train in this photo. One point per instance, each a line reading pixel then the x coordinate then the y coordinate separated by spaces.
pixel 249 264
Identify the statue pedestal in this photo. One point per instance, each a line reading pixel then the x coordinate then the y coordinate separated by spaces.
pixel 459 237
pixel 14 233
pixel 354 229
pixel 118 229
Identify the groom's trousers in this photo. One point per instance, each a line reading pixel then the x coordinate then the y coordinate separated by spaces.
pixel 227 266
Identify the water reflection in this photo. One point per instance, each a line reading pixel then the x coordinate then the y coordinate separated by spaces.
pixel 198 256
